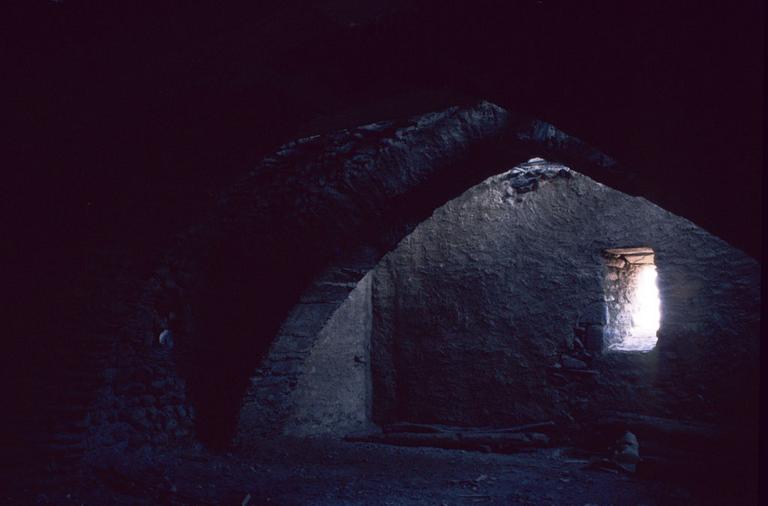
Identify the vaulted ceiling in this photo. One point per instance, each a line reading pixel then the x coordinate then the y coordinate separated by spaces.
pixel 160 102
pixel 129 116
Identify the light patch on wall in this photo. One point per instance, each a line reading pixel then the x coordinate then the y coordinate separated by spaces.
pixel 633 301
pixel 645 316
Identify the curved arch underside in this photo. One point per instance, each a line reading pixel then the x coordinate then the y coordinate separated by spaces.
pixel 323 196
pixel 486 315
pixel 308 223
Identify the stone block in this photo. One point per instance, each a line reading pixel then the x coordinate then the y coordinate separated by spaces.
pixel 595 313
pixel 640 259
pixel 328 292
pixel 572 363
pixel 595 338
pixel 307 319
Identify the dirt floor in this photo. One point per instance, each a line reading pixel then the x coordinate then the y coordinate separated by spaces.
pixel 332 472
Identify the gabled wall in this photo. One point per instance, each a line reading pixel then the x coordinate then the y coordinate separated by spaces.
pixel 231 280
pixel 477 311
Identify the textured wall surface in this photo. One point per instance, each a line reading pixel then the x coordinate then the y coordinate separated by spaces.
pixel 334 393
pixel 475 308
pixel 310 208
pixel 316 378
pixel 282 244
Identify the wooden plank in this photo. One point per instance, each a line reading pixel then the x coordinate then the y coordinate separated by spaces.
pixel 422 428
pixel 465 440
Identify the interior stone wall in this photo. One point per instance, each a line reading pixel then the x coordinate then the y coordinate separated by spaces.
pixel 333 394
pixel 483 301
pixel 315 379
pixel 314 200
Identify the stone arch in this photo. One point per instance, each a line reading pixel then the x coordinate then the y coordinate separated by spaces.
pixel 360 189
pixel 474 317
pixel 325 205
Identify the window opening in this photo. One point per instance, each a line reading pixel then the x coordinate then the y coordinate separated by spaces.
pixel 632 297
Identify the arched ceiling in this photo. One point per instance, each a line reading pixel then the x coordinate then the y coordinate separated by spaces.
pixel 130 115
pixel 183 96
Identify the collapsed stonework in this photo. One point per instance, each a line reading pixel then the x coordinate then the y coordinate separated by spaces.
pixel 488 308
